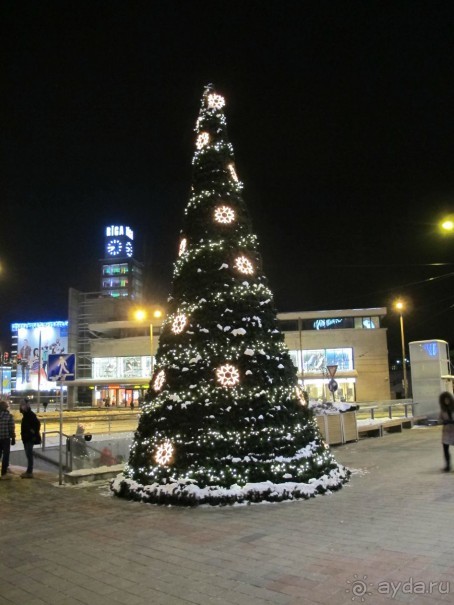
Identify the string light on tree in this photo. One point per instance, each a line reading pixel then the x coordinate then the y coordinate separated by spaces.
pixel 215 101
pixel 159 381
pixel 202 140
pixel 244 265
pixel 224 214
pixel 164 453
pixel 179 323
pixel 183 246
pixel 227 375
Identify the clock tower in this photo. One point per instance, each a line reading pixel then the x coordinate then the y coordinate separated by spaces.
pixel 121 274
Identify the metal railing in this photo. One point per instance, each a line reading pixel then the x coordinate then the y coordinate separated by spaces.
pixel 79 453
pixel 95 424
pixel 82 455
pixel 43 443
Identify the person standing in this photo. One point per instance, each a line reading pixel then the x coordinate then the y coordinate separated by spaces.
pixel 30 436
pixel 447 420
pixel 7 437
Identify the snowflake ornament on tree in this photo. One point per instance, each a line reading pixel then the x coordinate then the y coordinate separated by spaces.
pixel 215 101
pixel 164 453
pixel 227 375
pixel 179 323
pixel 244 265
pixel 183 246
pixel 159 380
pixel 202 140
pixel 231 169
pixel 230 385
pixel 224 215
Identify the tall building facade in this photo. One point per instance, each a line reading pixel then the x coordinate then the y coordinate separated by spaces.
pixel 121 273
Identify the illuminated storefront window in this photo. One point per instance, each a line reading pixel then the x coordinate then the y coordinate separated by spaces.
pixel 343 358
pixel 367 323
pixel 317 389
pixel 122 367
pixel 316 360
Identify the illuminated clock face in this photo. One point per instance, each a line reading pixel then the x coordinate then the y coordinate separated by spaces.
pixel 128 249
pixel 114 247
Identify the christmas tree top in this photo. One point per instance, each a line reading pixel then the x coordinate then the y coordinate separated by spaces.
pixel 225 420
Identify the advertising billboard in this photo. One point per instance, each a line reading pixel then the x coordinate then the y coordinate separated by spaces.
pixel 26 339
pixel 5 377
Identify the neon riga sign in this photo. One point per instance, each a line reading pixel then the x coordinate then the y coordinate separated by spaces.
pixel 320 324
pixel 119 230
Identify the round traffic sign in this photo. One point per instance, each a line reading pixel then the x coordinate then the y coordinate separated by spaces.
pixel 332 385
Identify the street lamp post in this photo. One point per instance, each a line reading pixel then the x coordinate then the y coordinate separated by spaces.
pixel 39 373
pixel 141 315
pixel 400 307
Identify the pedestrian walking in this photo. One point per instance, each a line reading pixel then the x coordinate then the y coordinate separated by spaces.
pixel 7 437
pixel 447 420
pixel 30 436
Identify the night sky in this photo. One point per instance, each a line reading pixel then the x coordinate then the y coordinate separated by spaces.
pixel 340 114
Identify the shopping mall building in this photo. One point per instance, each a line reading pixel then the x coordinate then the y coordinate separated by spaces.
pixel 115 350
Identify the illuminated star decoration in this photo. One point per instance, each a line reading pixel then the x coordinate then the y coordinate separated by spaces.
pixel 179 323
pixel 202 140
pixel 244 265
pixel 164 453
pixel 224 214
pixel 183 246
pixel 227 375
pixel 159 380
pixel 215 101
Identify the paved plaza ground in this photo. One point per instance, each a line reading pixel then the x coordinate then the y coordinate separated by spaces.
pixel 394 522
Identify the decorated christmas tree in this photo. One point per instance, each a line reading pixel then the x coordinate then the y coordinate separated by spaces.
pixel 225 420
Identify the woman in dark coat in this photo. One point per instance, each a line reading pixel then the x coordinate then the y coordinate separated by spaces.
pixel 447 420
pixel 29 430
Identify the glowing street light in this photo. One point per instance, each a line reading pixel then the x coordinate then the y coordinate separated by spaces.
pixel 399 305
pixel 447 225
pixel 140 315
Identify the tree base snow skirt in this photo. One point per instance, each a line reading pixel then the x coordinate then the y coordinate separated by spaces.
pixel 190 494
